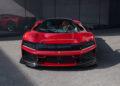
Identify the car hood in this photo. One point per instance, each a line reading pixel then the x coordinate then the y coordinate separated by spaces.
pixel 58 38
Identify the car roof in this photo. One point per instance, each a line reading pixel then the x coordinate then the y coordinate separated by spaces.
pixel 41 21
pixel 58 18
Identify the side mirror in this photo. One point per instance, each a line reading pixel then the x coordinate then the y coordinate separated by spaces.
pixel 89 29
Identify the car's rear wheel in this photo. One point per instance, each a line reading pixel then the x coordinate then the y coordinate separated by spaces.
pixel 11 26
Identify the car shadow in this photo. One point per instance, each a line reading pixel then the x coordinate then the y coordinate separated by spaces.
pixel 10 75
pixel 107 32
pixel 9 38
pixel 106 57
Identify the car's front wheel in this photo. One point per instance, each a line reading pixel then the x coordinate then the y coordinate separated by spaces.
pixel 11 26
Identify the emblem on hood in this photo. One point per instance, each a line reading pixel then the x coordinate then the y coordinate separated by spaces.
pixel 59 52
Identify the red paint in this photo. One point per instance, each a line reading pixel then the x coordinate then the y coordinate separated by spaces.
pixel 58 38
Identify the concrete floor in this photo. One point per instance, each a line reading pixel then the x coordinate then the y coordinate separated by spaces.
pixel 12 73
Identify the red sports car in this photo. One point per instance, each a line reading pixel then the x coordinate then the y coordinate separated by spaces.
pixel 15 23
pixel 58 42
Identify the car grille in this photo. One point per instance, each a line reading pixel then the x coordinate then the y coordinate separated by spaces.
pixel 29 57
pixel 59 59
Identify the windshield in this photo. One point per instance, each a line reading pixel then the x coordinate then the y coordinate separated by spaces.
pixel 57 26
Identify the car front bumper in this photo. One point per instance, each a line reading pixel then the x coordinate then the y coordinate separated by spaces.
pixel 84 57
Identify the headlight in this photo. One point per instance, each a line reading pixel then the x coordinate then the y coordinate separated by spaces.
pixel 87 44
pixel 56 47
pixel 32 45
pixel 29 44
pixel 41 46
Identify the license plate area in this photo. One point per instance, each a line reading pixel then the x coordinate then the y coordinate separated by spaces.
pixel 59 59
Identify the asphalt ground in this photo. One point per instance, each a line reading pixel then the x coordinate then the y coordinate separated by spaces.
pixel 107 73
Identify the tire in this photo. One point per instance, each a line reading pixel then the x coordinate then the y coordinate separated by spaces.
pixel 11 26
pixel 94 65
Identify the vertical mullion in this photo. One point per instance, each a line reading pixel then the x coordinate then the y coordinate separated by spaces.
pixel 79 7
pixel 55 8
pixel 99 11
pixel 25 3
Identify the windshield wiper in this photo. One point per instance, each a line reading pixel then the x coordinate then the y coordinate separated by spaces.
pixel 50 31
pixel 45 30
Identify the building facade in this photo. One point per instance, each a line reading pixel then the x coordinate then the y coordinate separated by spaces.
pixel 96 12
